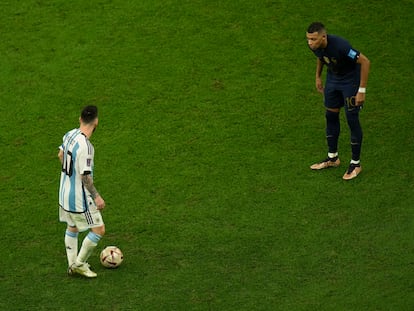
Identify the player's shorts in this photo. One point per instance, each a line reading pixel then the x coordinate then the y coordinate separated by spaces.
pixel 340 92
pixel 83 221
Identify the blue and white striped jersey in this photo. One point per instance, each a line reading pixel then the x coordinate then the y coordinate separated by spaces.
pixel 78 154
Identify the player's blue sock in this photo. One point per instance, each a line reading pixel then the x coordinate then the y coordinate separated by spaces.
pixel 94 237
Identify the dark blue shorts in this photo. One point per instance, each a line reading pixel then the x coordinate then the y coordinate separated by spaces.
pixel 340 94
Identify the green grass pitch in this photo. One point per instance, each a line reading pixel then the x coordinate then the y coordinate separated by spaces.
pixel 209 120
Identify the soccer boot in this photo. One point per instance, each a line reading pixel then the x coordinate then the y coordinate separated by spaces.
pixel 327 163
pixel 70 271
pixel 352 172
pixel 83 269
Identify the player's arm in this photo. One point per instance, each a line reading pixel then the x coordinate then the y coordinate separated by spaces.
pixel 318 75
pixel 365 65
pixel 87 181
pixel 60 156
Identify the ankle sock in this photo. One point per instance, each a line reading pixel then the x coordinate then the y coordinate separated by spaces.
pixel 332 155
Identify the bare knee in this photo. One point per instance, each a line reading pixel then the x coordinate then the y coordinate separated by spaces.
pixel 72 229
pixel 99 230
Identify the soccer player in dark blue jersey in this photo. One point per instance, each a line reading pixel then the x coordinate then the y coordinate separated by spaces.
pixel 346 82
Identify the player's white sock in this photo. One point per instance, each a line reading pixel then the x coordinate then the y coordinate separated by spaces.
pixel 71 244
pixel 332 155
pixel 88 245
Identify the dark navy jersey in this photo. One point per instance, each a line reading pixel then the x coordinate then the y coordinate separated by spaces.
pixel 339 57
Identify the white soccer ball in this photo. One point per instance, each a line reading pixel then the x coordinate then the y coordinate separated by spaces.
pixel 111 257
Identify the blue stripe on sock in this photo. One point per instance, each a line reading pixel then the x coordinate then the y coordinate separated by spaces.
pixel 72 234
pixel 94 237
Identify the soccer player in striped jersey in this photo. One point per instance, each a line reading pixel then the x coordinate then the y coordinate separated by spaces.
pixel 346 81
pixel 80 203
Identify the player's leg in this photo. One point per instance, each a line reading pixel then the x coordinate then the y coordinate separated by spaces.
pixel 352 116
pixel 89 243
pixel 71 244
pixel 89 220
pixel 333 100
pixel 333 129
pixel 71 237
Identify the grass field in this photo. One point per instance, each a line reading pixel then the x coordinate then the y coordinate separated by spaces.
pixel 209 120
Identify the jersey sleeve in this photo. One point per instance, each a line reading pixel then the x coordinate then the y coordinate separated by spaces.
pixel 349 51
pixel 353 54
pixel 85 160
pixel 62 145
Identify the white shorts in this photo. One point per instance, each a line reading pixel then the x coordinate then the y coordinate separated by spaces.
pixel 82 221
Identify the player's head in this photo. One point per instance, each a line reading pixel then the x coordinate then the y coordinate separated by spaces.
pixel 89 116
pixel 316 36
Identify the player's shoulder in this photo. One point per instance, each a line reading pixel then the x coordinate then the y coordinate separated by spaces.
pixel 82 139
pixel 69 134
pixel 337 41
pixel 85 143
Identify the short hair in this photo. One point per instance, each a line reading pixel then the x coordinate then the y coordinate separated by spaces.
pixel 316 27
pixel 89 114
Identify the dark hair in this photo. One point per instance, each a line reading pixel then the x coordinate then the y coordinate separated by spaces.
pixel 316 27
pixel 89 114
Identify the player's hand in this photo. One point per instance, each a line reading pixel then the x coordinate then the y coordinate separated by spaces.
pixel 359 99
pixel 100 203
pixel 319 85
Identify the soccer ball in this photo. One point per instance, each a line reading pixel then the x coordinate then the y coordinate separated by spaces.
pixel 111 257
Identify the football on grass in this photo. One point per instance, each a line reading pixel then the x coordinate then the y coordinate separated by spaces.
pixel 111 257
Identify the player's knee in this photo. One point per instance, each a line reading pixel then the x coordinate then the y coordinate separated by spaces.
pixel 332 120
pixel 336 110
pixel 99 230
pixel 72 229
pixel 331 115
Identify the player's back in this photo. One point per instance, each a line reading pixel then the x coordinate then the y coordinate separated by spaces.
pixel 77 159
